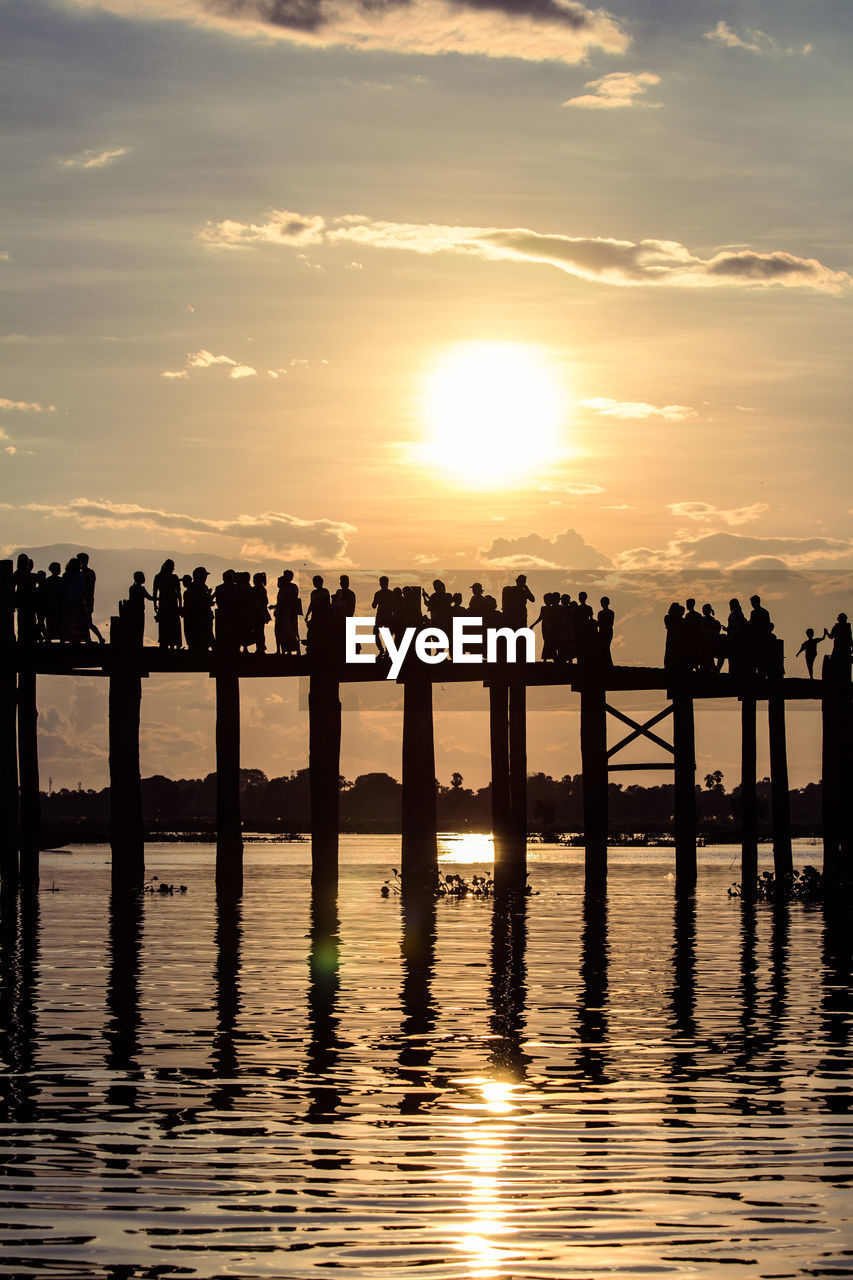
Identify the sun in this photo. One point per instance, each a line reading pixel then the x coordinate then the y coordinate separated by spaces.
pixel 493 412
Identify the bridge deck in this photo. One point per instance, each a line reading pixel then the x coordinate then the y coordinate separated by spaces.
pixel 102 660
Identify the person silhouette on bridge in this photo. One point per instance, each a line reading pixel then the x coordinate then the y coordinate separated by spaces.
pixel 760 637
pixel 606 620
pixel 25 599
pixel 383 603
pixel 198 613
pixel 74 624
pixel 227 599
pixel 737 640
pixel 51 602
pixel 809 649
pixel 514 601
pixel 842 647
pixel 439 606
pixel 137 594
pixel 318 619
pixel 260 611
pixel 89 579
pixel 288 607
pixel 167 606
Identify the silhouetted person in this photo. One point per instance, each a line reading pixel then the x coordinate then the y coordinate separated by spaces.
pixel 737 640
pixel 75 618
pixel 549 616
pixel 567 630
pixel 584 628
pixel 673 656
pixel 842 647
pixel 475 604
pixel 606 620
pixel 39 579
pixel 25 600
pixel 383 603
pixel 760 636
pixel 318 618
pixel 246 620
pixel 227 599
pixel 167 606
pixel 198 613
pixel 439 606
pixel 288 607
pixel 260 611
pixel 691 635
pixel 514 601
pixel 809 648
pixel 137 594
pixel 51 597
pixel 89 578
pixel 709 640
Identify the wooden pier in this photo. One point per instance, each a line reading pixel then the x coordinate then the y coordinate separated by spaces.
pixel 505 693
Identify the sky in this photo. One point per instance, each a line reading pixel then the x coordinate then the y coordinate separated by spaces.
pixel 426 286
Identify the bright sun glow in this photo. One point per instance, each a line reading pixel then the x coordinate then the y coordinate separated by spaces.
pixel 493 411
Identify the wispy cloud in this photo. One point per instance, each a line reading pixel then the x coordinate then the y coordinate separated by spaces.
pixel 26 406
pixel 93 159
pixel 271 531
pixel 207 360
pixel 753 41
pixel 619 89
pixel 534 30
pixel 725 550
pixel 637 409
pixel 600 259
pixel 706 512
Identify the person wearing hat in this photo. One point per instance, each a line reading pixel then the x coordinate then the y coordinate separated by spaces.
pixel 475 605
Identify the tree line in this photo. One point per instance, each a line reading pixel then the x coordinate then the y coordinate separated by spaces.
pixel 373 803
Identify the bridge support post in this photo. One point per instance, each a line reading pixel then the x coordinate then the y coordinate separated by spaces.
pixel 419 847
pixel 748 798
pixel 518 759
pixel 783 863
pixel 324 773
pixel 594 765
pixel 685 792
pixel 8 733
pixel 127 845
pixel 229 834
pixel 28 772
pixel 499 750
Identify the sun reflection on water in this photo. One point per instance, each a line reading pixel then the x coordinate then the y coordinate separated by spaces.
pixel 473 846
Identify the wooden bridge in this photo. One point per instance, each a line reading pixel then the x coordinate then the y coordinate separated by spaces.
pixel 125 666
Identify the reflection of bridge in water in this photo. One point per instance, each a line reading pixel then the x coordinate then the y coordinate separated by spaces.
pixel 126 666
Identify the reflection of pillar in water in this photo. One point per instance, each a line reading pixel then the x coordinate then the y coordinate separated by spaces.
pixel 683 1063
pixel 224 1060
pixel 837 956
pixel 748 984
pixel 28 772
pixel 19 944
pixel 507 988
pixel 592 1006
pixel 323 987
pixel 122 1026
pixel 417 946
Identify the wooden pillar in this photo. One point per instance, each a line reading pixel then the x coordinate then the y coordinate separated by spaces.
pixel 518 758
pixel 229 834
pixel 594 765
pixel 783 863
pixel 837 710
pixel 420 849
pixel 685 791
pixel 324 774
pixel 28 772
pixel 127 844
pixel 499 747
pixel 748 800
pixel 8 733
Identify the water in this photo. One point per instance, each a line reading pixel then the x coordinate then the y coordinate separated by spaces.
pixel 533 1091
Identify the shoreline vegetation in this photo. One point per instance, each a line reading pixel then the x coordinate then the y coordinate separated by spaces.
pixel 183 810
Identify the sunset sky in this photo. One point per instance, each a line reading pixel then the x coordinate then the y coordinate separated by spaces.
pixel 405 285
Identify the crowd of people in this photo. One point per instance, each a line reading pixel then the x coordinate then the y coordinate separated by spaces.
pixel 56 606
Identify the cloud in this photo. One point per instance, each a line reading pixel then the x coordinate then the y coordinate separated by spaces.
pixel 27 406
pixel 619 89
pixel 533 30
pixel 207 360
pixel 600 259
pixel 704 512
pixel 272 532
pixel 738 551
pixel 753 41
pixel 567 550
pixel 631 410
pixel 93 159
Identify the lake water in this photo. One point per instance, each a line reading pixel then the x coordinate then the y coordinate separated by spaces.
pixel 534 1089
